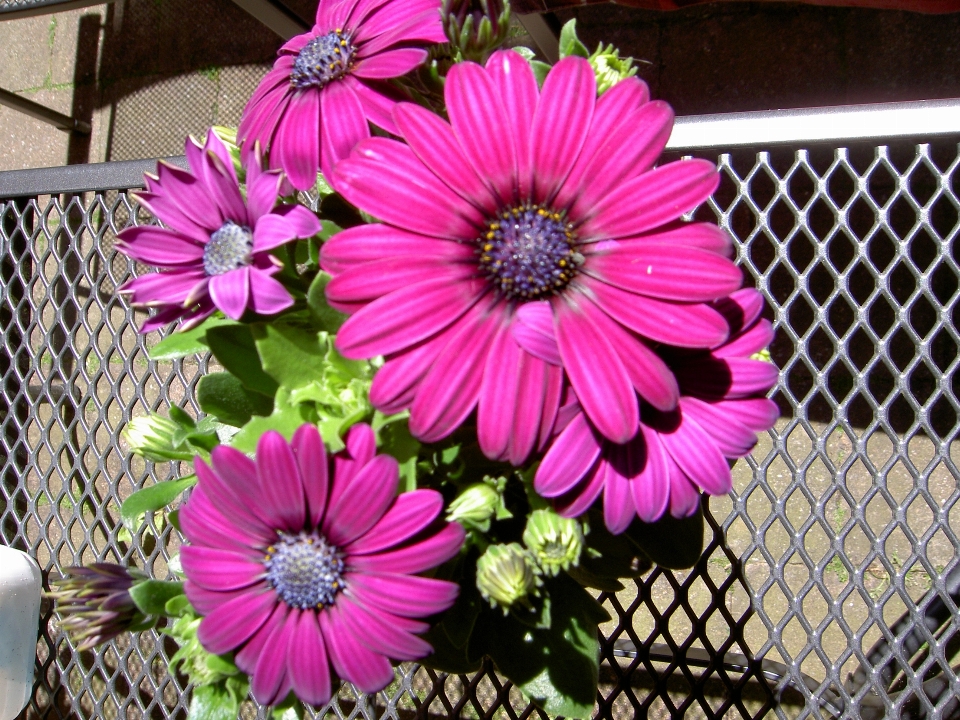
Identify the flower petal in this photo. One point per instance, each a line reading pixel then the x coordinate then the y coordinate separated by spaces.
pixel 533 331
pixel 389 64
pixel 346 519
pixel 415 557
pixel 498 395
pixel 231 292
pixel 369 243
pixel 651 486
pixel 216 569
pixel 395 384
pixel 597 374
pixel 732 438
pixel 296 147
pixel 561 123
pixel 273 229
pixel 618 507
pixel 269 682
pixel 345 125
pixel 696 454
pixel 403 595
pixel 267 296
pixel 234 622
pixel 409 514
pixel 569 459
pixel 519 93
pixel 281 487
pixel 369 281
pixel 368 670
pixel 378 98
pixel 311 457
pixel 375 630
pixel 310 668
pixel 160 247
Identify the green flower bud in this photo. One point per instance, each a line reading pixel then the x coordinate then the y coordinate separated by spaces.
pixel 506 575
pixel 610 68
pixel 762 355
pixel 153 437
pixel 475 505
pixel 476 27
pixel 555 542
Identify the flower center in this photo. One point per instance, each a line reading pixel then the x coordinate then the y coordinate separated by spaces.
pixel 304 570
pixel 322 60
pixel 229 249
pixel 529 252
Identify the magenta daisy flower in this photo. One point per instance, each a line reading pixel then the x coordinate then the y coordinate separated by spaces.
pixel 313 107
pixel 297 577
pixel 677 454
pixel 214 252
pixel 527 241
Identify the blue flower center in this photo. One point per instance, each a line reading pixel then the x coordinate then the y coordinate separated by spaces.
pixel 230 248
pixel 529 252
pixel 322 60
pixel 304 570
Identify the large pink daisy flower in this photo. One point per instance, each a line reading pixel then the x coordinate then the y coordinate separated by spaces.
pixel 215 249
pixel 297 576
pixel 313 107
pixel 526 241
pixel 676 454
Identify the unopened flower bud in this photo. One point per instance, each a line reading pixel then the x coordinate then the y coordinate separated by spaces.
pixel 506 576
pixel 152 437
pixel 555 542
pixel 475 505
pixel 610 68
pixel 228 136
pixel 476 27
pixel 95 604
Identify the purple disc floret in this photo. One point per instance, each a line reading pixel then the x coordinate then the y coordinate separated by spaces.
pixel 676 454
pixel 214 249
pixel 526 245
pixel 314 106
pixel 305 565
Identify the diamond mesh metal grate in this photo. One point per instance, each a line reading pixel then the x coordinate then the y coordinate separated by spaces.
pixel 830 583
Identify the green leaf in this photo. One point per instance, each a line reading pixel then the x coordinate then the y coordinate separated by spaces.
pixel 446 656
pixel 234 347
pixel 293 356
pixel 176 606
pixel 672 543
pixel 569 42
pixel 153 498
pixel 325 316
pixel 213 702
pixel 540 70
pixel 285 419
pixel 223 395
pixel 152 596
pixel 189 342
pixel 182 417
pixel 394 438
pixel 557 668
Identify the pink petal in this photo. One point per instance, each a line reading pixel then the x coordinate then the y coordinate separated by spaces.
pixel 629 152
pixel 732 438
pixel 369 243
pixel 296 147
pixel 221 181
pixel 389 64
pixel 310 668
pixel 216 569
pixel 395 384
pixel 597 374
pixel 203 524
pixel 684 496
pixel 482 127
pixel 451 387
pixel 361 446
pixel 415 557
pixel 190 194
pixel 758 414
pixel 742 308
pixel 610 121
pixel 578 500
pixel 231 292
pixel 533 402
pixel 684 325
pixel 569 459
pixel 651 200
pixel 561 123
pixel 651 486
pixel 163 207
pixel 405 317
pixel 403 595
pixel 281 487
pixel 158 246
pixel 375 630
pixel 697 455
pixel 369 281
pixel 247 656
pixel 262 192
pixel 346 518
pixel 727 379
pixel 519 93
pixel 387 180
pixel 409 514
pixel 343 127
pixel 270 675
pixel 661 271
pixel 311 457
pixel 534 332
pixel 368 670
pixel 267 296
pixel 232 624
pixel 273 230
pixel 378 99
pixel 164 287
pixel 551 405
pixel 206 601
pixel 498 395
pixel 618 507
pixel 433 142
pixel 231 487
pixel 751 341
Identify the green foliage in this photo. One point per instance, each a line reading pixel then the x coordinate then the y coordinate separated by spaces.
pixel 569 42
pixel 672 543
pixel 234 347
pixel 224 396
pixel 286 417
pixel 151 499
pixel 326 317
pixel 189 342
pixel 151 596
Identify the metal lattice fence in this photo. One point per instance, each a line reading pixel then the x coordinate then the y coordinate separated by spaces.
pixel 830 582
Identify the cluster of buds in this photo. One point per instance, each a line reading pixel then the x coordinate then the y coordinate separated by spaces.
pixel 95 603
pixel 476 27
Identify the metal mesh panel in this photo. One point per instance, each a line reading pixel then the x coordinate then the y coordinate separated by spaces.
pixel 828 586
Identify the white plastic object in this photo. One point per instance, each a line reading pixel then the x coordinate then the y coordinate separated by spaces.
pixel 20 585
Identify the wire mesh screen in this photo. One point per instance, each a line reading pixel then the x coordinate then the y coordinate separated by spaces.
pixel 829 585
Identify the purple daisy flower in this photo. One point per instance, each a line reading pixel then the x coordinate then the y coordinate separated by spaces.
pixel 313 107
pixel 676 454
pixel 214 252
pixel 297 576
pixel 527 241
